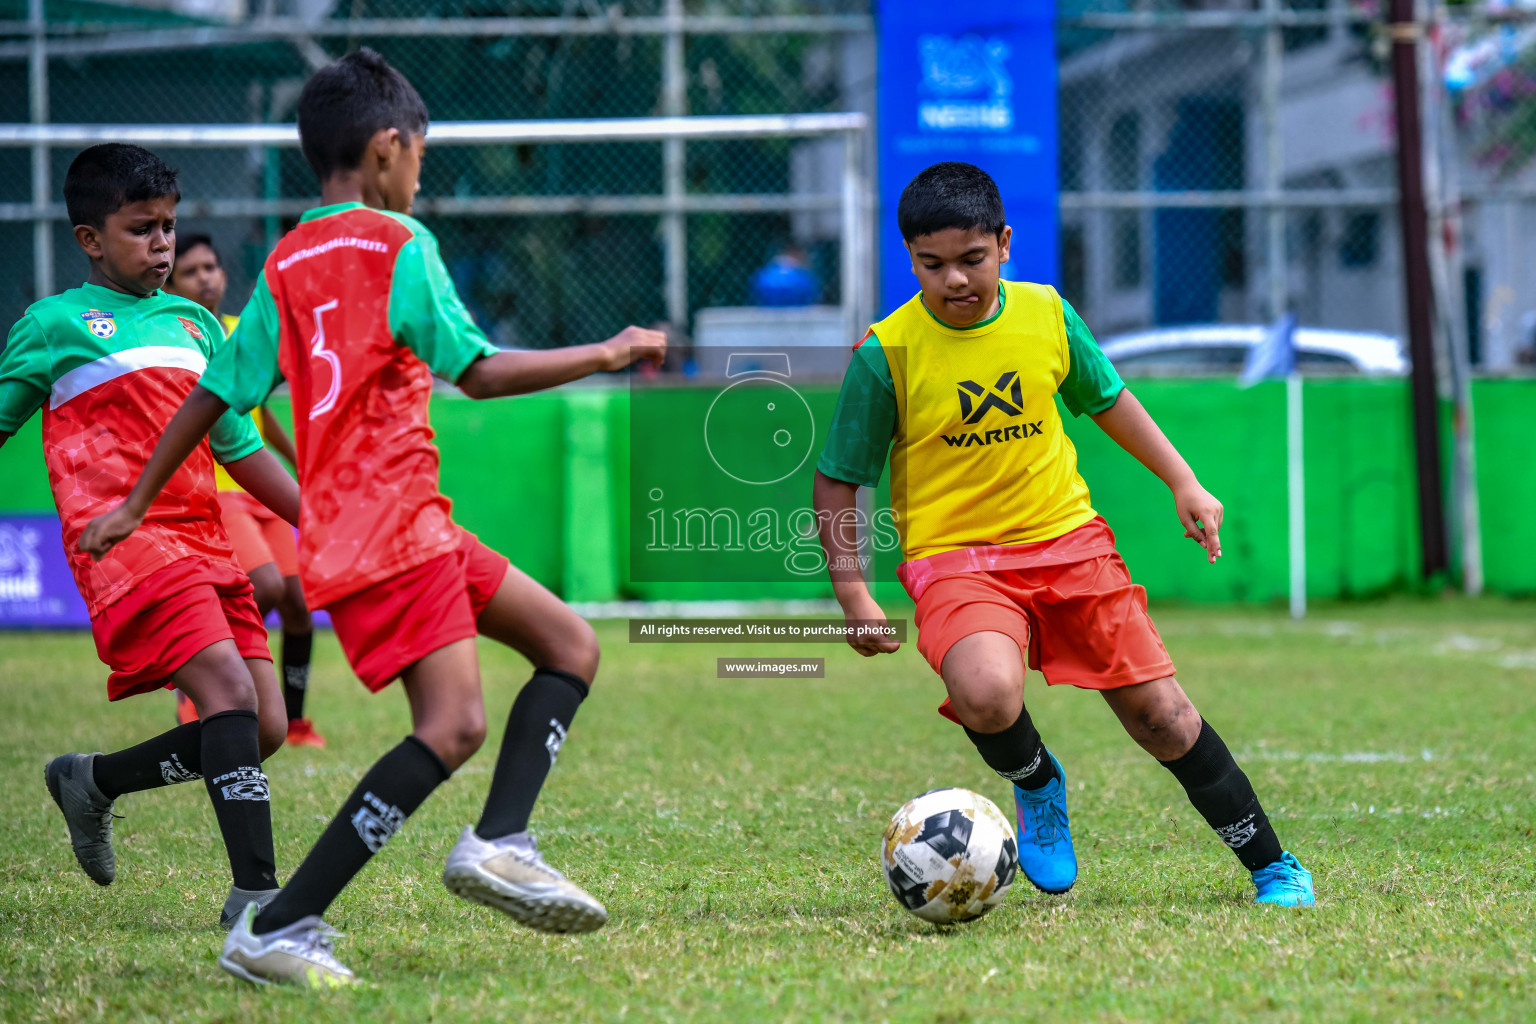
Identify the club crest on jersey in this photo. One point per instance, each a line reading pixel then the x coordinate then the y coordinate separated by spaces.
pixel 192 328
pixel 99 323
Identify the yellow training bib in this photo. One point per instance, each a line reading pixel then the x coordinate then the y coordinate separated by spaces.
pixel 980 456
pixel 221 478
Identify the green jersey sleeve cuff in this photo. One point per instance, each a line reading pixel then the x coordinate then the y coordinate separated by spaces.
pixel 228 393
pixel 10 425
pixel 1092 384
pixel 864 420
pixel 26 376
pixel 1099 404
pixel 236 452
pixel 830 467
pixel 234 436
pixel 474 348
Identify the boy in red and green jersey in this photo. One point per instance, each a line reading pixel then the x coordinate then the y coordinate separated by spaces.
pixel 355 310
pixel 1003 553
pixel 109 363
pixel 109 369
pixel 264 545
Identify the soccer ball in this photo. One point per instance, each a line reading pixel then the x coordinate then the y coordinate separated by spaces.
pixel 949 855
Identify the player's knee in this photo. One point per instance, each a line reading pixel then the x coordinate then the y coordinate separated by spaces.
pixel 271 733
pixel 218 680
pixel 988 700
pixel 1158 722
pixel 464 735
pixel 577 652
pixel 269 595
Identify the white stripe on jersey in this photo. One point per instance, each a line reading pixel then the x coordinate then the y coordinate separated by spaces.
pixel 83 378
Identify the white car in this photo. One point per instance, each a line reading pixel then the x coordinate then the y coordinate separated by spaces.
pixel 1221 349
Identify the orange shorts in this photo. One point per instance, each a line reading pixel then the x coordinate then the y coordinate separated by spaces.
pixel 389 626
pixel 161 623
pixel 258 534
pixel 1080 622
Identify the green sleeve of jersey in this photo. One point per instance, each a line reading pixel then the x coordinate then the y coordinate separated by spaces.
pixel 234 437
pixel 26 377
pixel 243 369
pixel 864 421
pixel 1092 383
pixel 427 315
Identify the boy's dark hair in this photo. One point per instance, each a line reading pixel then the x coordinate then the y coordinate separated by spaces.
pixel 105 178
pixel 950 195
pixel 346 102
pixel 186 243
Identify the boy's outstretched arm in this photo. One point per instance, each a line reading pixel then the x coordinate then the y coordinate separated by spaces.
pixel 1129 425
pixel 183 434
pixel 264 479
pixel 519 372
pixel 836 504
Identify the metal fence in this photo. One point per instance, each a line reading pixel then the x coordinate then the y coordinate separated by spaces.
pixel 555 233
pixel 1220 161
pixel 1229 162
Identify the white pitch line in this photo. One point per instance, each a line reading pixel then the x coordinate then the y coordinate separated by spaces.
pixel 1348 757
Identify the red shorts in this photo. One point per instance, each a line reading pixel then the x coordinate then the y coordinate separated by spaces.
pixel 160 624
pixel 389 626
pixel 259 536
pixel 1081 622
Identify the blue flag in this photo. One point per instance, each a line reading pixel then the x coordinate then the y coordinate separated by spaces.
pixel 1275 356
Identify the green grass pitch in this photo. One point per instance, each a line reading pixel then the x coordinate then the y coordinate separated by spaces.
pixel 731 828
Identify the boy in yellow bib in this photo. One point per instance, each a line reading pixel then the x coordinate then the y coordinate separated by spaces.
pixel 1003 553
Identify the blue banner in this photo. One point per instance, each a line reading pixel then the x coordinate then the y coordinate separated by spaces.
pixel 973 82
pixel 37 590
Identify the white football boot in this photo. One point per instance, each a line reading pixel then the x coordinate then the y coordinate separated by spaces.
pixel 508 875
pixel 299 954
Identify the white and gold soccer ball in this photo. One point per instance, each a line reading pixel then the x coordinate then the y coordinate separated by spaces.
pixel 949 855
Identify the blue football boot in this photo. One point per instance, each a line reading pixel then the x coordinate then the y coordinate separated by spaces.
pixel 1045 840
pixel 1284 883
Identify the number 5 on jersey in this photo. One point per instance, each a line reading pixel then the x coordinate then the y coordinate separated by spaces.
pixel 319 351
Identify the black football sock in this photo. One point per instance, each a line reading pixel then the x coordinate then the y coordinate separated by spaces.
pixel 296 648
pixel 1222 794
pixel 241 799
pixel 171 757
pixel 536 728
pixel 391 791
pixel 1016 753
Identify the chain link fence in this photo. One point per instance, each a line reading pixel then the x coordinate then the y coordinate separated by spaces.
pixel 550 243
pixel 1487 74
pixel 1226 162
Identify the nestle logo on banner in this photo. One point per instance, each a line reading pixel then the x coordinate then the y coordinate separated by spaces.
pixel 967 82
pixel 21 568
